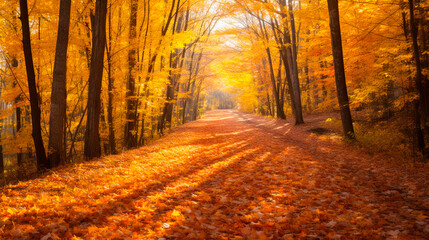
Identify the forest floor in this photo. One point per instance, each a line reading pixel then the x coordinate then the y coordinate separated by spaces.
pixel 229 175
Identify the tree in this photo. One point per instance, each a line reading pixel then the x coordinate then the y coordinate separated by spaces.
pixel 57 148
pixel 289 54
pixel 340 78
pixel 420 102
pixel 130 133
pixel 92 147
pixel 179 24
pixel 1 148
pixel 110 78
pixel 296 88
pixel 42 161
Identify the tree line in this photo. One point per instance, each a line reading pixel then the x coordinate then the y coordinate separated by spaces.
pixel 368 58
pixel 97 76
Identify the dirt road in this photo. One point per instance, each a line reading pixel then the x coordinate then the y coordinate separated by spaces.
pixel 229 175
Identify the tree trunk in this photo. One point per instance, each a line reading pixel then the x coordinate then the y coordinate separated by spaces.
pixel 420 102
pixel 42 161
pixel 1 152
pixel 269 105
pixel 307 77
pixel 92 147
pixel 196 103
pixel 340 78
pixel 57 148
pixel 188 86
pixel 175 62
pixel 288 53
pixel 130 133
pixel 112 141
pixel 18 128
pixel 279 105
pixel 295 78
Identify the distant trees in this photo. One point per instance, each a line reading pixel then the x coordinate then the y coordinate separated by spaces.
pixel 377 62
pixel 275 26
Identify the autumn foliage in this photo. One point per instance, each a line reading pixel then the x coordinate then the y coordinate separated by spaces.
pixel 154 74
pixel 166 62
pixel 228 175
pixel 93 96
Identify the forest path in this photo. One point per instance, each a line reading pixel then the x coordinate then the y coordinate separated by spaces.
pixel 229 175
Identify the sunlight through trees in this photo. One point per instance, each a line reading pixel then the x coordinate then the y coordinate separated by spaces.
pixel 82 81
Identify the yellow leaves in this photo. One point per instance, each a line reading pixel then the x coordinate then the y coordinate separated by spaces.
pixel 10 211
pixel 4 198
pixel 176 213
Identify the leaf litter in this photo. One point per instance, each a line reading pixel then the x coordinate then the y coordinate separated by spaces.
pixel 229 175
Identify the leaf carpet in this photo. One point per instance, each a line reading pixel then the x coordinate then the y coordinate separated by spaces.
pixel 227 176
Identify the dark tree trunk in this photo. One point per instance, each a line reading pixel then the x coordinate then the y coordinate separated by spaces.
pixel 42 161
pixel 279 104
pixel 295 81
pixel 92 147
pixel 191 85
pixel 104 128
pixel 130 133
pixel 1 153
pixel 18 128
pixel 288 53
pixel 57 148
pixel 112 141
pixel 340 78
pixel 269 105
pixel 1 163
pixel 188 86
pixel 196 103
pixel 420 102
pixel 306 71
pixel 175 62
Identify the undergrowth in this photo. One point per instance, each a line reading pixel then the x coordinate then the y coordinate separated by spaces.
pixel 378 138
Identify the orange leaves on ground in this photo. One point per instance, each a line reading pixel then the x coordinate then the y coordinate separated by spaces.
pixel 227 176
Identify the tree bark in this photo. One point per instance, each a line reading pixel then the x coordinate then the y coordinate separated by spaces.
pixel 130 132
pixel 42 161
pixel 92 147
pixel 111 80
pixel 295 78
pixel 279 105
pixel 1 151
pixel 57 148
pixel 197 102
pixel 420 102
pixel 288 53
pixel 340 78
pixel 179 25
pixel 18 128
